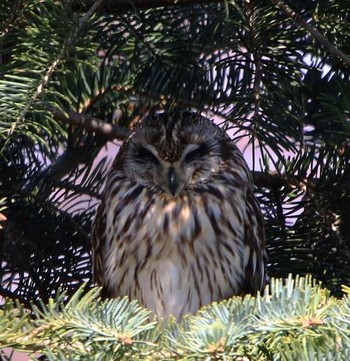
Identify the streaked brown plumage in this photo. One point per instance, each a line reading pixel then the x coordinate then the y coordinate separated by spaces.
pixel 178 226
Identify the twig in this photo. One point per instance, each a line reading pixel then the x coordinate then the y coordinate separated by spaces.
pixel 115 6
pixel 314 32
pixel 257 84
pixel 93 124
pixel 268 179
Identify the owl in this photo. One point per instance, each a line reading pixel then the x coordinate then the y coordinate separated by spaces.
pixel 178 226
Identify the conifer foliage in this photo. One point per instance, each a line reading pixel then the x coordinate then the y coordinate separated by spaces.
pixel 75 74
pixel 296 319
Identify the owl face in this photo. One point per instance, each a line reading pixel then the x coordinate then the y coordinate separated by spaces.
pixel 172 157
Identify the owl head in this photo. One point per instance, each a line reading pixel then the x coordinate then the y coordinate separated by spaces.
pixel 174 152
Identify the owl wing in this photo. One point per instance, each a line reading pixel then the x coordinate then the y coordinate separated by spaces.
pixel 98 243
pixel 255 239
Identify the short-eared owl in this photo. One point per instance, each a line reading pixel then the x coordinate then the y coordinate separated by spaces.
pixel 178 226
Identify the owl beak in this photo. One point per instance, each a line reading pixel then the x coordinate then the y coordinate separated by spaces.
pixel 173 181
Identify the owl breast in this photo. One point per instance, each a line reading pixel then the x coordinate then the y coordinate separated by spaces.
pixel 175 255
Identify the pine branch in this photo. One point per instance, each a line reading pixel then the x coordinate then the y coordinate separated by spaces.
pixel 38 91
pixel 116 6
pixel 294 318
pixel 313 31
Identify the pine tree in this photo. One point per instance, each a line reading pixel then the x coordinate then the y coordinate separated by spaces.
pixel 75 74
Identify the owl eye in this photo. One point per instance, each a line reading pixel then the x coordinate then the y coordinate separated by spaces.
pixel 147 156
pixel 196 153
